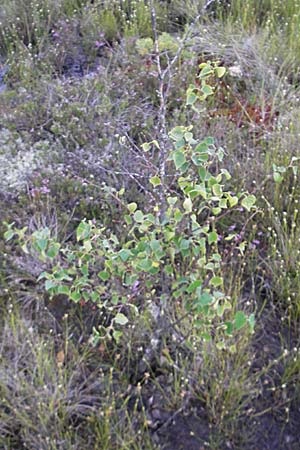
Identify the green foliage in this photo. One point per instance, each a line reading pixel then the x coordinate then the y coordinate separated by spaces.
pixel 165 257
pixel 208 74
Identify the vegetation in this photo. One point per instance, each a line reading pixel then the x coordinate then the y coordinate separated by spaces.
pixel 149 197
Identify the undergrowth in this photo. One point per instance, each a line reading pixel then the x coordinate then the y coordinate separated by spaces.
pixel 144 337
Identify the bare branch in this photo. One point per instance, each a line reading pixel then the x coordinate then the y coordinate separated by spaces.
pixel 164 78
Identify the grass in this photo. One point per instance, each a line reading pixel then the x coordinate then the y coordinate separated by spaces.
pixel 52 393
pixel 80 99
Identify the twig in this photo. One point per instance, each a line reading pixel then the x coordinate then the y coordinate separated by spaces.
pixel 161 114
pixel 164 77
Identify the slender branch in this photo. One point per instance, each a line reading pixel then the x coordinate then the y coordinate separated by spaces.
pixel 181 45
pixel 164 77
pixel 161 114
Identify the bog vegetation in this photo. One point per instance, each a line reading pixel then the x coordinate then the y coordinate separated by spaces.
pixel 150 241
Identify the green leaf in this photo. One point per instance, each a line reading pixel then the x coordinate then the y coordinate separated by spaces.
pixel 63 290
pixel 205 299
pixel 115 300
pixel 205 71
pixel 199 158
pixel 178 215
pixel 230 237
pixel 190 98
pixel 216 211
pixel 95 297
pixel 146 146
pixel 87 245
pixel 277 177
pixel 145 264
pixel 240 320
pixel 169 235
pixel 216 281
pixel 179 144
pixel 138 216
pixel 223 203
pixel 86 296
pixel 75 297
pixel 212 237
pixel 229 328
pixel 42 244
pixel 172 200
pixel 83 231
pixel 179 159
pixel 125 254
pixel 202 147
pixel 8 235
pixel 62 275
pixel 216 257
pixel 232 200
pixel 220 154
pixel 150 218
pixel 251 321
pixel 168 269
pixel 117 335
pixel 202 173
pixel 43 275
pixel 217 190
pixel 155 245
pixel 53 250
pixel 84 269
pixel 220 309
pixel 188 205
pixel 177 133
pixel 155 143
pixel 188 136
pixel 155 181
pixel 49 285
pixel 220 71
pixel 248 202
pixel 132 207
pixel 207 90
pixel 205 335
pixel 226 174
pixel 104 275
pixel 209 140
pixel 121 319
pixel 128 219
pixel 184 244
pixel 193 286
